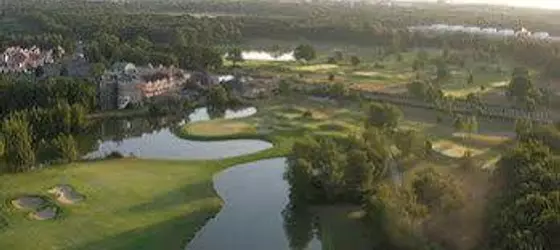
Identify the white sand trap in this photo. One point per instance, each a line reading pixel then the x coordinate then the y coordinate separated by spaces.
pixel 47 213
pixel 451 149
pixel 66 194
pixel 28 202
pixel 267 56
pixel 317 67
pixel 499 84
pixel 486 139
pixel 367 73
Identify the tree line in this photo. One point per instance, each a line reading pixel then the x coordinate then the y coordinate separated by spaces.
pixel 39 120
pixel 112 34
pixel 525 213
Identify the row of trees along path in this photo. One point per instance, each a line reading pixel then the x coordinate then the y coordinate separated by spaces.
pixel 487 110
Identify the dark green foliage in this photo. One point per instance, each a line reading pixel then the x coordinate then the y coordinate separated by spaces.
pixel 65 148
pixel 437 191
pixel 355 60
pixel 218 97
pixel 338 56
pixel 410 142
pixel 523 128
pixel 338 90
pixel 115 155
pixel 470 79
pixel 46 94
pixel 97 70
pixel 235 55
pixel 442 72
pixel 2 147
pixel 425 91
pixel 526 214
pixel 328 170
pixel 383 116
pixel 331 77
pixel 304 52
pixel 19 155
pixel 466 124
pixel 307 114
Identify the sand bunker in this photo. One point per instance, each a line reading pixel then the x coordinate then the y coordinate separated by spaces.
pixel 29 202
pixel 499 84
pixel 66 194
pixel 367 73
pixel 47 213
pixel 454 150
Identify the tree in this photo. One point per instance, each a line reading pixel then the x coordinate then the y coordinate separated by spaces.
pixel 383 116
pixel 360 174
pixel 97 70
pixel 304 52
pixel 65 148
pixel 437 191
pixel 472 125
pixel 526 212
pixel 235 55
pixel 418 89
pixel 355 60
pixel 410 142
pixel 460 124
pixel 338 90
pixel 19 153
pixel 217 97
pixel 331 77
pixel 338 56
pixel 523 127
pixel 417 64
pixel 2 148
pixel 442 71
pixel 521 89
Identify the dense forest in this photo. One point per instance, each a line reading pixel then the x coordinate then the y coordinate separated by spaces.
pixel 141 32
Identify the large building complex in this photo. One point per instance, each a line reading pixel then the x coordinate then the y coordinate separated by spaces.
pixel 124 84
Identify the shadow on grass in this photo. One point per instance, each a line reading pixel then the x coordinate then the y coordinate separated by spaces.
pixel 172 234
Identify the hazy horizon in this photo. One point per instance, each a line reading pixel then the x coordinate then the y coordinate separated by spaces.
pixel 543 4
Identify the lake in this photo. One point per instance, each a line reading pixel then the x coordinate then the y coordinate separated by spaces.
pixel 255 196
pixel 153 138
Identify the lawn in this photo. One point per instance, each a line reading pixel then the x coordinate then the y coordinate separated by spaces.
pixel 130 204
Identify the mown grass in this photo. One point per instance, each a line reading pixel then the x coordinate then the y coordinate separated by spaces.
pixel 130 204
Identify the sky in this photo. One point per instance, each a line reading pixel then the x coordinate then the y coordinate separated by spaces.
pixel 545 4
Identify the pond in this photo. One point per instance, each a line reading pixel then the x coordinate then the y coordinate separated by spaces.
pixel 255 197
pixel 151 138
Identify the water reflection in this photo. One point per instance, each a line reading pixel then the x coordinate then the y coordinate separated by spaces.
pixel 257 213
pixel 153 138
